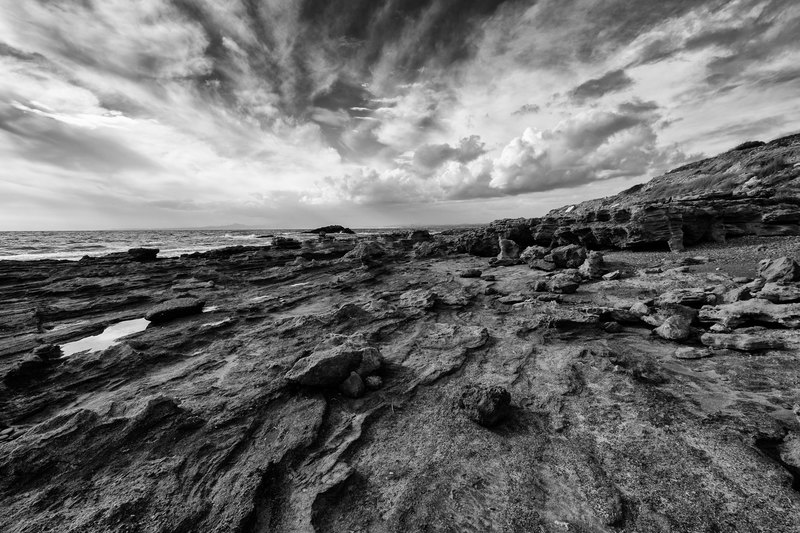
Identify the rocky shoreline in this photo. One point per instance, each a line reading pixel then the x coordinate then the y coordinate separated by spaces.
pixel 396 384
pixel 753 189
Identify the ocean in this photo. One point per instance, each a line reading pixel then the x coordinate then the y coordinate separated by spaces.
pixel 73 245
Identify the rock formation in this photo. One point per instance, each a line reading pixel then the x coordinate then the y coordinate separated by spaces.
pixel 754 191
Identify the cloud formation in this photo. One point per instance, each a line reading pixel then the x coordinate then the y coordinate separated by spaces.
pixel 193 112
pixel 611 82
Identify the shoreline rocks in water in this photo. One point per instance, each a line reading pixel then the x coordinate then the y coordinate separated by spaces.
pixel 331 229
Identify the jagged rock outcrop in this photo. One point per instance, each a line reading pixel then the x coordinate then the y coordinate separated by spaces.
pixel 780 270
pixel 740 192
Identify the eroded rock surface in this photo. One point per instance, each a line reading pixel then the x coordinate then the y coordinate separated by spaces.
pixel 194 426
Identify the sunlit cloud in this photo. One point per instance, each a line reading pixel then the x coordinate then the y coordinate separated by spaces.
pixel 179 113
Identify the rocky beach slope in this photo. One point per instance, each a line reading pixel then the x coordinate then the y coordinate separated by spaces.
pixel 400 384
pixel 753 189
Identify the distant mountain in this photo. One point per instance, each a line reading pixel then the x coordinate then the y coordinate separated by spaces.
pixel 233 227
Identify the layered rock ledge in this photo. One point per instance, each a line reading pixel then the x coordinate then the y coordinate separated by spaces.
pixel 750 191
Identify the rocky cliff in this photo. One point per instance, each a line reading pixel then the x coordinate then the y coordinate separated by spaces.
pixel 750 190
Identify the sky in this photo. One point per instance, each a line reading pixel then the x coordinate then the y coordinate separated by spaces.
pixel 371 113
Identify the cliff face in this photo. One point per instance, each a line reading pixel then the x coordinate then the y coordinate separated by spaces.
pixel 751 190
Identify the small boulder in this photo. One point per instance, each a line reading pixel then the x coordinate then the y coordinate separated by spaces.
pixel 640 309
pixel 171 309
pixel 353 386
pixel 781 270
pixel 373 382
pixel 508 249
pixel 611 327
pixel 143 255
pixel 484 405
pixel 675 328
pixel 470 273
pixel 371 362
pixel 48 352
pixel 611 276
pixel 592 267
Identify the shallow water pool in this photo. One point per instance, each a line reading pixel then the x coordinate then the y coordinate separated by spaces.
pixel 107 338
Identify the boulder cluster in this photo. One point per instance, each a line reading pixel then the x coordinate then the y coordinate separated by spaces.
pixel 742 315
pixel 347 363
pixel 566 266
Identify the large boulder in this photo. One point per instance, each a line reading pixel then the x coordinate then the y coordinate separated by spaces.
pixel 675 328
pixel 593 266
pixel 286 243
pixel 532 254
pixel 353 386
pixel 754 311
pixel 782 270
pixel 143 255
pixel 508 249
pixel 30 369
pixel 171 309
pixel 689 297
pixel 569 256
pixel 779 293
pixel 369 253
pixel 48 352
pixel 420 235
pixel 484 405
pixel 333 361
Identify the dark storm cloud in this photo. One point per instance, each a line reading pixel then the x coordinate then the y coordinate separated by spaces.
pixel 432 156
pixel 611 82
pixel 637 106
pixel 376 94
pixel 10 51
pixel 47 140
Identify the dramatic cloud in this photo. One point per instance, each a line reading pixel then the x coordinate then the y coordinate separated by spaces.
pixel 371 112
pixel 613 81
